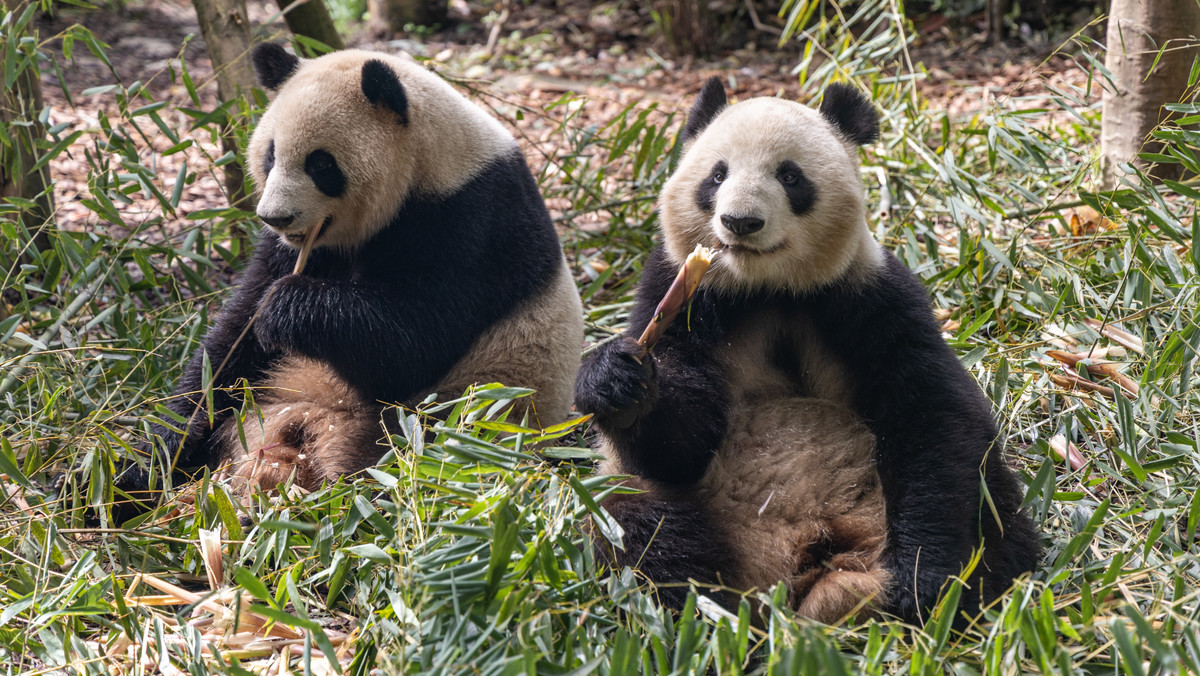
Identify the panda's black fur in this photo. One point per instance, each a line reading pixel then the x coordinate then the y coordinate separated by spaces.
pixel 665 418
pixel 447 279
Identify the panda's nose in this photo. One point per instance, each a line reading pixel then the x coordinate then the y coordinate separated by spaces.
pixel 278 222
pixel 743 225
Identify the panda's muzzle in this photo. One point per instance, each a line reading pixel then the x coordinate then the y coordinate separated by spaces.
pixel 297 237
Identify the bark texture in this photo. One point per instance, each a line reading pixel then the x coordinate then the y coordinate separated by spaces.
pixel 226 32
pixel 19 109
pixel 311 19
pixel 1133 103
pixel 388 17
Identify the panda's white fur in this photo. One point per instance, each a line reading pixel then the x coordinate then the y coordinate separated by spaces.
pixel 806 423
pixel 436 267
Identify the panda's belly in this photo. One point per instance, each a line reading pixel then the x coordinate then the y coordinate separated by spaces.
pixel 795 489
pixel 775 352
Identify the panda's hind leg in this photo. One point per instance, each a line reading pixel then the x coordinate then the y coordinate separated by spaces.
pixel 274 451
pixel 845 573
pixel 311 427
pixel 670 542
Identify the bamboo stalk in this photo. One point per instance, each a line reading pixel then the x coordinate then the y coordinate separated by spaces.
pixel 306 248
pixel 1119 336
pixel 677 296
pixel 1071 381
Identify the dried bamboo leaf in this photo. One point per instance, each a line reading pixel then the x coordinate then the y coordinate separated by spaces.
pixel 1117 335
pixel 1065 450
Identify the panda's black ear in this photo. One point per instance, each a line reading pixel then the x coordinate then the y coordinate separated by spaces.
pixel 383 88
pixel 272 65
pixel 711 102
pixel 852 113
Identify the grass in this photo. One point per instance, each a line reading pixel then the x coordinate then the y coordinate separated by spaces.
pixel 463 551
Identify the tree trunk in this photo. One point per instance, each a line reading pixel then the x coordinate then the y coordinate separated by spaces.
pixel 226 32
pixel 686 25
pixel 1138 32
pixel 996 11
pixel 311 19
pixel 388 17
pixel 19 111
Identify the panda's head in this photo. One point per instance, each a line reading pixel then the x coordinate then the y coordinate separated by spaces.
pixel 774 184
pixel 351 135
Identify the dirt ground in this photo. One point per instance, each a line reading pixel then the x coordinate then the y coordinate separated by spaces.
pixel 610 53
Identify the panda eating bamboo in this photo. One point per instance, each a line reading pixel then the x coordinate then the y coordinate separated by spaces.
pixel 435 266
pixel 807 423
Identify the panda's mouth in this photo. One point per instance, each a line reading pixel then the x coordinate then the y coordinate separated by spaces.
pixel 742 249
pixel 297 238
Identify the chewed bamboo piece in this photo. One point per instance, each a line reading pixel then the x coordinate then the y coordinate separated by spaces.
pixel 1066 451
pixel 677 297
pixel 1096 367
pixel 306 248
pixel 1119 336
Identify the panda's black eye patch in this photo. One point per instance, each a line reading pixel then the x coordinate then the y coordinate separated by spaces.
pixel 801 193
pixel 323 169
pixel 269 159
pixel 706 194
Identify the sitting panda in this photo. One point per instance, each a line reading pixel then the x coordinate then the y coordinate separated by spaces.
pixel 436 267
pixel 806 423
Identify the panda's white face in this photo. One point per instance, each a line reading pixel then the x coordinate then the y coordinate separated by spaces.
pixel 352 134
pixel 775 186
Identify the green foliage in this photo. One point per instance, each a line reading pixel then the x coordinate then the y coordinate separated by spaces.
pixel 464 550
pixel 347 14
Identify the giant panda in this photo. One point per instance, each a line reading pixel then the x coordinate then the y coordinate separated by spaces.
pixel 437 266
pixel 806 423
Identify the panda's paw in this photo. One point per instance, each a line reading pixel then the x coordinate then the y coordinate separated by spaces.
pixel 285 314
pixel 617 383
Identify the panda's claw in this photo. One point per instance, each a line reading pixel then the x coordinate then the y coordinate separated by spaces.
pixel 617 383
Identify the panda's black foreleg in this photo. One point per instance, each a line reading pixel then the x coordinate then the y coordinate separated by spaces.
pixel 671 542
pixel 665 412
pixel 389 343
pixel 936 442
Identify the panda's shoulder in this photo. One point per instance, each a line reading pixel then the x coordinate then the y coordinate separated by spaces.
pixel 894 284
